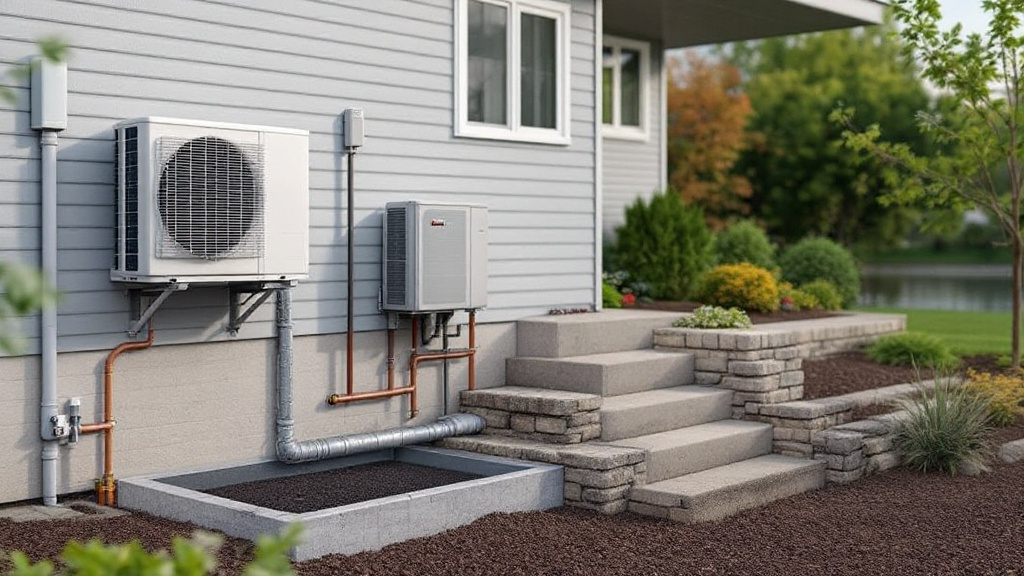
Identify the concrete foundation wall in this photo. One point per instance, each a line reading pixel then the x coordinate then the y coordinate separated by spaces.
pixel 180 407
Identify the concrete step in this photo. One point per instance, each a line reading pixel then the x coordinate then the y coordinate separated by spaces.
pixel 656 411
pixel 610 374
pixel 687 450
pixel 723 491
pixel 564 336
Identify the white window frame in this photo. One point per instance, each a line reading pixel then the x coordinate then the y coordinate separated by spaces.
pixel 616 129
pixel 512 129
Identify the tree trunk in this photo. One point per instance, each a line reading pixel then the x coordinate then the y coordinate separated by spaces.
pixel 1018 268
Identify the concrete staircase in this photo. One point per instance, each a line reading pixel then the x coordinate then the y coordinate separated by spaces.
pixel 700 464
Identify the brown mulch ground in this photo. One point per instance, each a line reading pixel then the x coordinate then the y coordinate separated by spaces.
pixel 897 523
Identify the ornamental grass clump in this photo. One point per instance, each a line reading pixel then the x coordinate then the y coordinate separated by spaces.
pixel 714 317
pixel 945 430
pixel 912 349
pixel 742 286
pixel 1004 392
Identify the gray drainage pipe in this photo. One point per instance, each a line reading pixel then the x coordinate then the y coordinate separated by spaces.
pixel 293 451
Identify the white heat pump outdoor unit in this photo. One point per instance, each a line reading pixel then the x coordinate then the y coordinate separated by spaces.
pixel 435 257
pixel 210 202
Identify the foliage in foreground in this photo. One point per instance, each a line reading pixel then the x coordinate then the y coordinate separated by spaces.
pixel 912 349
pixel 742 286
pixel 822 259
pixel 23 290
pixel 946 430
pixel 665 244
pixel 1004 392
pixel 714 317
pixel 188 557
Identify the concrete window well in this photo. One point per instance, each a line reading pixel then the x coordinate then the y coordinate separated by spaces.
pixel 351 504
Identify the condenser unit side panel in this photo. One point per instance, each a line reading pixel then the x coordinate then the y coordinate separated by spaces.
pixel 478 241
pixel 398 238
pixel 444 258
pixel 286 212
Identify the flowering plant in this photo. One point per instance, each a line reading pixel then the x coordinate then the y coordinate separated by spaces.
pixel 786 303
pixel 628 299
pixel 714 317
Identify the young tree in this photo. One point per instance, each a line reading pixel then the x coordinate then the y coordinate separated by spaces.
pixel 804 182
pixel 980 131
pixel 707 118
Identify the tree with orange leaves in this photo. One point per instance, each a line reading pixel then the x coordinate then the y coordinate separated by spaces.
pixel 707 119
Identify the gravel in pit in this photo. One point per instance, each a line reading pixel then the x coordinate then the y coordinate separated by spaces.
pixel 330 488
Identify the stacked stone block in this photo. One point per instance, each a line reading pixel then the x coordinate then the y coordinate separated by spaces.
pixel 762 368
pixel 794 423
pixel 550 416
pixel 852 451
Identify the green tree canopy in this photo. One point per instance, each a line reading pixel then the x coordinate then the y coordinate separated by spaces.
pixel 804 182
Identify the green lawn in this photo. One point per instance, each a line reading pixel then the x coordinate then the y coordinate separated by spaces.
pixel 966 332
pixel 997 255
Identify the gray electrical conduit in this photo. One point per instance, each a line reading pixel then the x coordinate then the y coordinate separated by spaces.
pixel 292 451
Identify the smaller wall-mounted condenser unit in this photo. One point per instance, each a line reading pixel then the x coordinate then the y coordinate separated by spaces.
pixel 210 202
pixel 435 257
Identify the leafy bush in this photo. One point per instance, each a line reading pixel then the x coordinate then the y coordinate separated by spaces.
pixel 797 299
pixel 714 317
pixel 822 259
pixel 825 293
pixel 912 349
pixel 610 297
pixel 621 281
pixel 192 557
pixel 1005 395
pixel 744 241
pixel 664 244
pixel 946 430
pixel 740 285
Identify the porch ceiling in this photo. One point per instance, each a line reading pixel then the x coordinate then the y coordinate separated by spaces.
pixel 682 23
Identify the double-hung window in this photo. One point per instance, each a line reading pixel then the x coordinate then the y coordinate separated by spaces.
pixel 625 71
pixel 512 70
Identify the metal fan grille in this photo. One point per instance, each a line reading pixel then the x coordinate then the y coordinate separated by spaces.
pixel 210 198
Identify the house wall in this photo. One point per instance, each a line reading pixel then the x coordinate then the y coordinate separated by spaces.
pixel 631 168
pixel 298 65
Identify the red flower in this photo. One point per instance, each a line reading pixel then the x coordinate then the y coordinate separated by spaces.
pixel 628 299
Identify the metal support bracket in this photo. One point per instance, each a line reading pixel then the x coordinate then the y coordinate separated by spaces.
pixel 256 296
pixel 143 316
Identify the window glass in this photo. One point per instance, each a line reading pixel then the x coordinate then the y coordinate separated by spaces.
pixel 629 99
pixel 608 84
pixel 487 67
pixel 538 71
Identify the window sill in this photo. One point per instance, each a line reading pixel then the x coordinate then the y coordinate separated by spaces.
pixel 624 133
pixel 528 135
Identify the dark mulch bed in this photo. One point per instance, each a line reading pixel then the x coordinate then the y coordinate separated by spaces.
pixel 755 317
pixel 331 488
pixel 897 523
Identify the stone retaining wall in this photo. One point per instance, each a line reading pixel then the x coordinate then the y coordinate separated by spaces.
pixel 852 451
pixel 551 416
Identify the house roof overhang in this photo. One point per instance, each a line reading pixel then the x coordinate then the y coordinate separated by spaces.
pixel 683 23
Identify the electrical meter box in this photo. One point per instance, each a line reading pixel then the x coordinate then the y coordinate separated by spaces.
pixel 435 257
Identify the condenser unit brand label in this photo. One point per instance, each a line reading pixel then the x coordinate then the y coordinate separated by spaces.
pixel 437 222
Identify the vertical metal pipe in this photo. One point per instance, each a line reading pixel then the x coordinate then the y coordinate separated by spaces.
pixel 472 347
pixel 391 358
pixel 48 317
pixel 350 269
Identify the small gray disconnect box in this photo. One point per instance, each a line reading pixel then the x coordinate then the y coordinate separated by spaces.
pixel 435 256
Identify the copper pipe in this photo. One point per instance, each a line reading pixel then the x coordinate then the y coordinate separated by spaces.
pixel 106 488
pixel 346 398
pixel 472 346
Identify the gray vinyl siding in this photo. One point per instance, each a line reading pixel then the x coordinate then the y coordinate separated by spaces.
pixel 295 64
pixel 631 168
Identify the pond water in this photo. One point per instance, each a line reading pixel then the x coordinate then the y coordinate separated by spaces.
pixel 937 287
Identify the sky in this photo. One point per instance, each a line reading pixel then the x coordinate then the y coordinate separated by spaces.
pixel 967 12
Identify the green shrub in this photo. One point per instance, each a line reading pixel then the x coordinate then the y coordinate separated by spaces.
pixel 610 297
pixel 912 349
pixel 797 299
pixel 744 241
pixel 193 557
pixel 945 430
pixel 825 293
pixel 714 317
pixel 822 259
pixel 740 285
pixel 1005 395
pixel 664 244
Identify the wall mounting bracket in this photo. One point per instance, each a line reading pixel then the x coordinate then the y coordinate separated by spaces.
pixel 255 296
pixel 142 316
